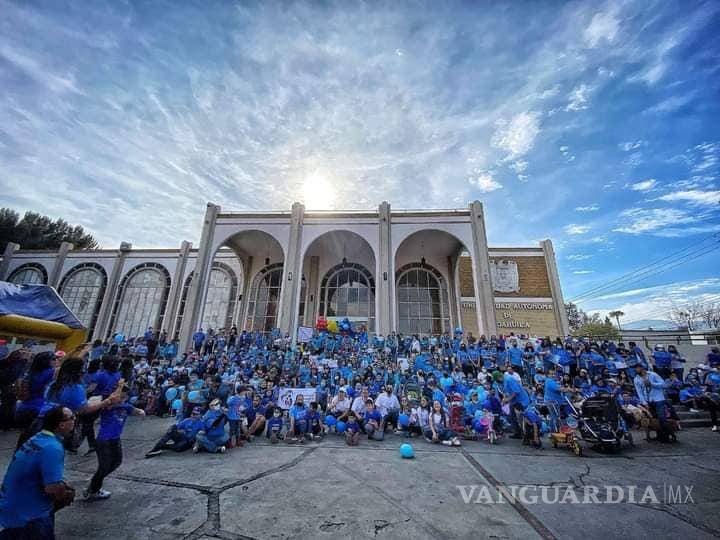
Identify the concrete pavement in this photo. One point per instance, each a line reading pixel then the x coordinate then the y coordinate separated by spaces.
pixel 329 490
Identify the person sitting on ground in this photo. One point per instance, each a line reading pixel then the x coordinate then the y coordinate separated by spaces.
pixel 314 420
pixel 212 438
pixel 275 425
pixel 298 420
pixel 439 432
pixel 182 435
pixel 340 405
pixel 255 415
pixel 420 418
pixel 33 489
pixel 389 407
pixel 373 422
pixel 699 399
pixel 352 430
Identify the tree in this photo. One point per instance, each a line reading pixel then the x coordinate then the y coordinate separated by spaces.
pixel 574 315
pixel 696 315
pixel 35 231
pixel 616 315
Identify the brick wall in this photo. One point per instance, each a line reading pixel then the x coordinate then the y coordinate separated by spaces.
pixel 532 272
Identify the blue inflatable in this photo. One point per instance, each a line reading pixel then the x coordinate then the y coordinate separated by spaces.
pixel 404 420
pixel 340 427
pixel 406 451
pixel 177 405
pixel 194 396
pixel 119 338
pixel 330 420
pixel 170 394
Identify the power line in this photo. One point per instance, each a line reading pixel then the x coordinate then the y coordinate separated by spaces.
pixel 608 289
pixel 650 265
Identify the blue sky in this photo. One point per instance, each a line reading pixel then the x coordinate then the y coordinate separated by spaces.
pixel 594 124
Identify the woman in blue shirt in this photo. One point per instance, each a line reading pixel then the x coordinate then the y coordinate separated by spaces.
pixel 39 376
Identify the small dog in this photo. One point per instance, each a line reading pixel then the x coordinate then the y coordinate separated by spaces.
pixel 650 424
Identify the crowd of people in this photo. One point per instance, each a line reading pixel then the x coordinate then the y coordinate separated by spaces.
pixel 233 387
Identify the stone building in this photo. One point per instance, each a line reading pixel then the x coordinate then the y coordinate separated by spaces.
pixel 426 271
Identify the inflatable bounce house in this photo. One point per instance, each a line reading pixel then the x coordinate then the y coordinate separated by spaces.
pixel 37 313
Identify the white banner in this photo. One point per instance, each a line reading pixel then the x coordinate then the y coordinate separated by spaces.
pixel 287 396
pixel 304 334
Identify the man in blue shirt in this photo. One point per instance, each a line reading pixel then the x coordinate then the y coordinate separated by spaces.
pixel 33 487
pixel 650 389
pixel 517 397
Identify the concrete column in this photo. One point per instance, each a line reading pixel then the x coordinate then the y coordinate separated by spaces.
pixel 484 298
pixel 385 281
pixel 102 324
pixel 56 273
pixel 10 250
pixel 312 302
pixel 198 285
pixel 247 282
pixel 558 301
pixel 292 274
pixel 455 319
pixel 176 289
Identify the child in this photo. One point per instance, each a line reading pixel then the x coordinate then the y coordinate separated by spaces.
pixel 108 446
pixel 315 424
pixel 373 422
pixel 352 430
pixel 236 406
pixel 274 425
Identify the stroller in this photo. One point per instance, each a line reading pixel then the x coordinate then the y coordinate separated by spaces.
pixel 457 414
pixel 599 423
pixel 413 393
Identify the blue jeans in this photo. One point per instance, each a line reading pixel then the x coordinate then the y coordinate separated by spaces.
pixel 38 529
pixel 211 444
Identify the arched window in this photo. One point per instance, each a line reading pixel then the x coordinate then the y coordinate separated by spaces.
pixel 422 300
pixel 82 289
pixel 29 274
pixel 348 290
pixel 181 307
pixel 264 299
pixel 303 294
pixel 141 300
pixel 221 297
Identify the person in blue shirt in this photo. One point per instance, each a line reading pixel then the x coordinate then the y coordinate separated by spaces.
pixel 518 399
pixel 198 340
pixel 236 406
pixel 33 488
pixel 532 424
pixel 314 421
pixel 212 438
pixel 275 425
pixel 373 422
pixel 39 376
pixel 182 435
pixel 352 430
pixel 108 446
pixel 650 389
pixel 662 361
pixel 298 419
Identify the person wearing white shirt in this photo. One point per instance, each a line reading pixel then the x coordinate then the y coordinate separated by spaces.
pixel 389 406
pixel 340 405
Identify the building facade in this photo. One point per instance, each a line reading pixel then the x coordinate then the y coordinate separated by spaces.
pixel 405 271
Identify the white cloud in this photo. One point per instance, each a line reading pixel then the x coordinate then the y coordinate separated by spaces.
pixel 705 156
pixel 582 272
pixel 670 104
pixel 578 257
pixel 591 208
pixel 564 149
pixel 576 229
pixel 485 183
pixel 631 145
pixel 519 166
pixel 550 92
pixel 641 220
pixel 694 197
pixel 645 185
pixel 603 27
pixel 579 97
pixel 517 137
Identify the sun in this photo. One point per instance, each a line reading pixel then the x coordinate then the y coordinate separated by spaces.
pixel 318 192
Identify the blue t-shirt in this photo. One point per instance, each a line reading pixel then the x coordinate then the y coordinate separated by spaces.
pixel 112 421
pixel 106 383
pixel 352 427
pixel 374 415
pixel 552 391
pixel 298 413
pixel 274 425
pixel 512 386
pixel 209 419
pixel 38 463
pixel 236 405
pixel 516 356
pixel 37 390
pixel 71 396
pixel 190 427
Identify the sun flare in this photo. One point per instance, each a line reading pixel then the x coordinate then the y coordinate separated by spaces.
pixel 318 192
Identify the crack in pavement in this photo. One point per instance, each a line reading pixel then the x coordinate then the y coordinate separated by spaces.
pixel 528 516
pixel 668 509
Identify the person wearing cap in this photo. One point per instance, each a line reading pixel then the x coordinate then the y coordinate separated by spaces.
pixel 181 436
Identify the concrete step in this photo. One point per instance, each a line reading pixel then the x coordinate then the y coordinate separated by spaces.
pixel 696 423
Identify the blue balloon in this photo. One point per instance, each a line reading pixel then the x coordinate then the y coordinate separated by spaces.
pixel 195 396
pixel 341 427
pixel 170 394
pixel 119 338
pixel 330 420
pixel 404 420
pixel 477 425
pixel 177 404
pixel 407 451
